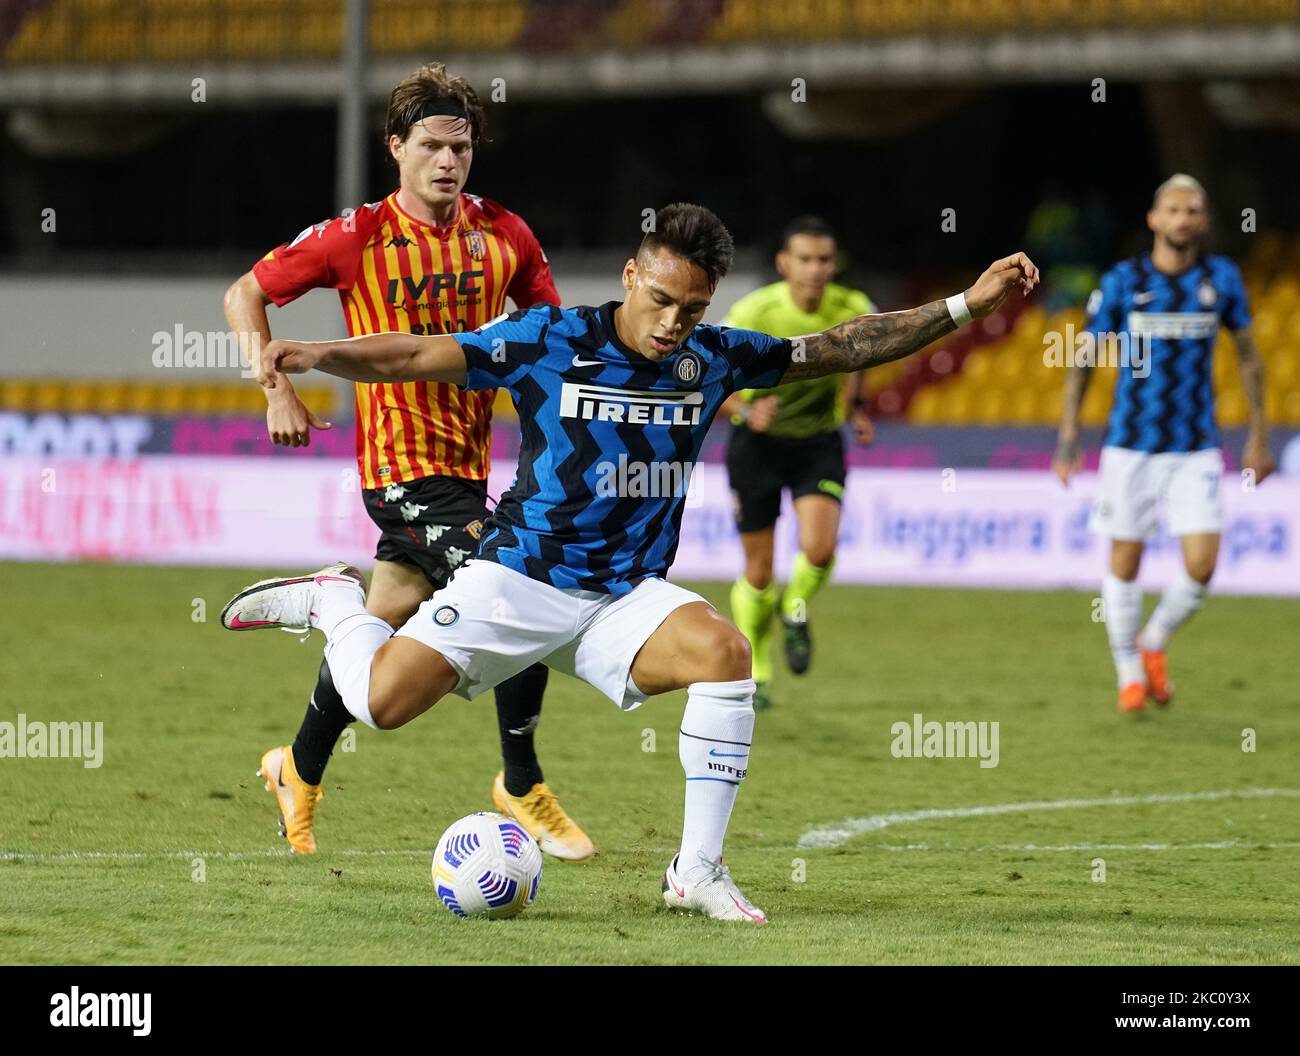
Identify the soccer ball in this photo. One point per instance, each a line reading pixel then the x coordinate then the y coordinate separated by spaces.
pixel 486 865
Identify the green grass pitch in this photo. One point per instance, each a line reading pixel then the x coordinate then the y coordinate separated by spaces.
pixel 194 872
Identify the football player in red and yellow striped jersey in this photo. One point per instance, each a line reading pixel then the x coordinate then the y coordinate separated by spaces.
pixel 428 259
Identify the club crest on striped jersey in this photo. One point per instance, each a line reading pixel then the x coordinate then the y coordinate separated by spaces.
pixel 476 245
pixel 1207 294
pixel 687 369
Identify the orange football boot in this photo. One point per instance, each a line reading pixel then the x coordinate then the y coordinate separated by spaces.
pixel 1157 669
pixel 1133 697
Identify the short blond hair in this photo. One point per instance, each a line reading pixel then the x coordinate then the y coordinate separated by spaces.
pixel 1180 181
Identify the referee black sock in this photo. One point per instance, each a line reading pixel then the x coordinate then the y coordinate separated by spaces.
pixel 519 710
pixel 321 728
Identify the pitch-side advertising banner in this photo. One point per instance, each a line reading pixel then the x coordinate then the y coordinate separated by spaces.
pixel 963 527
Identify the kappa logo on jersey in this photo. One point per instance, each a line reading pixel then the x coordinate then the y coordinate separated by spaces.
pixel 476 244
pixel 630 406
pixel 398 241
pixel 688 368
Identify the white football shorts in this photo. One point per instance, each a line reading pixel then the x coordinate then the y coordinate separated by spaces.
pixel 1133 484
pixel 492 622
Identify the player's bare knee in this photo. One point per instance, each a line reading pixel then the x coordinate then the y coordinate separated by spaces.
pixel 820 554
pixel 729 657
pixel 387 704
pixel 1201 570
pixel 1125 560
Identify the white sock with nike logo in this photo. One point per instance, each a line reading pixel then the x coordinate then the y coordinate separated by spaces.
pixel 717 728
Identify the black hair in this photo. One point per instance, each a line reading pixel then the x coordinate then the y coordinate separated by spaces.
pixel 695 234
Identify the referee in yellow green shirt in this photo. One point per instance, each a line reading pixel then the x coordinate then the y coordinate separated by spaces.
pixel 789 437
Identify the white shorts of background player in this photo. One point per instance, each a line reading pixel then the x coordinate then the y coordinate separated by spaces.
pixel 1133 485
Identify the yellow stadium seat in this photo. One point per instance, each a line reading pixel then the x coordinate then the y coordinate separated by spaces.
pixel 978 365
pixel 228 399
pixel 991 406
pixel 1011 367
pixel 1284 372
pixel 1232 409
pixel 16 395
pixel 79 397
pixel 171 399
pixel 1049 406
pixel 1024 407
pixel 47 397
pixel 141 398
pixel 955 405
pixel 924 408
pixel 1283 293
pixel 1032 321
pixel 113 397
pixel 1273 404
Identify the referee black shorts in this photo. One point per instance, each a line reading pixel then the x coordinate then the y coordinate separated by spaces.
pixel 760 467
pixel 433 523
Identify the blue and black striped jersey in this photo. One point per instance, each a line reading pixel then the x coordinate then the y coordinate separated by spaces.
pixel 1164 397
pixel 609 438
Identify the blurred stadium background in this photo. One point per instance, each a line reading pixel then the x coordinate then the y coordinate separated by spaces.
pixel 151 150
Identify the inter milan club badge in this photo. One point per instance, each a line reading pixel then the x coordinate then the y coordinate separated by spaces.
pixel 1206 294
pixel 688 368
pixel 476 244
pixel 445 616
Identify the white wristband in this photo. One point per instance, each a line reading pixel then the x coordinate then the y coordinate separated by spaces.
pixel 958 310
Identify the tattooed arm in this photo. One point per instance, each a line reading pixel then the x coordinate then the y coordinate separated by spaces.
pixel 1068 459
pixel 1256 455
pixel 870 340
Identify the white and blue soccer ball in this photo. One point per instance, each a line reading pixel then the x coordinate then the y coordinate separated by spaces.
pixel 486 865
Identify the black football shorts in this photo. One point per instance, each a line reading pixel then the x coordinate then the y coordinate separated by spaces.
pixel 760 467
pixel 434 523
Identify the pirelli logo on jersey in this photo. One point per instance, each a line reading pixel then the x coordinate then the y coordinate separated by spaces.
pixel 1173 326
pixel 597 403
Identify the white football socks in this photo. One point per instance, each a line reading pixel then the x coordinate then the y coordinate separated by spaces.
pixel 1123 602
pixel 1180 600
pixel 713 746
pixel 354 636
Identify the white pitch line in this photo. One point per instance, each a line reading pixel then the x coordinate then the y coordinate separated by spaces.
pixel 1218 845
pixel 74 856
pixel 835 835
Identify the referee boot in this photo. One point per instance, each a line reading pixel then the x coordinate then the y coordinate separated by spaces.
pixel 798 644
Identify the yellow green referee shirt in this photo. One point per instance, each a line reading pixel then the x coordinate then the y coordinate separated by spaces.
pixel 816 405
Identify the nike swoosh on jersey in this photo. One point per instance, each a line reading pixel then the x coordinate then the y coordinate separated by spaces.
pixel 578 361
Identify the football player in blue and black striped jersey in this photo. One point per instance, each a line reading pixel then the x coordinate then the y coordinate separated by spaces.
pixel 1161 312
pixel 614 403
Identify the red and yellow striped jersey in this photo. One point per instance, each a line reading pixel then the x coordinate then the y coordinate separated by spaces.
pixel 396 273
